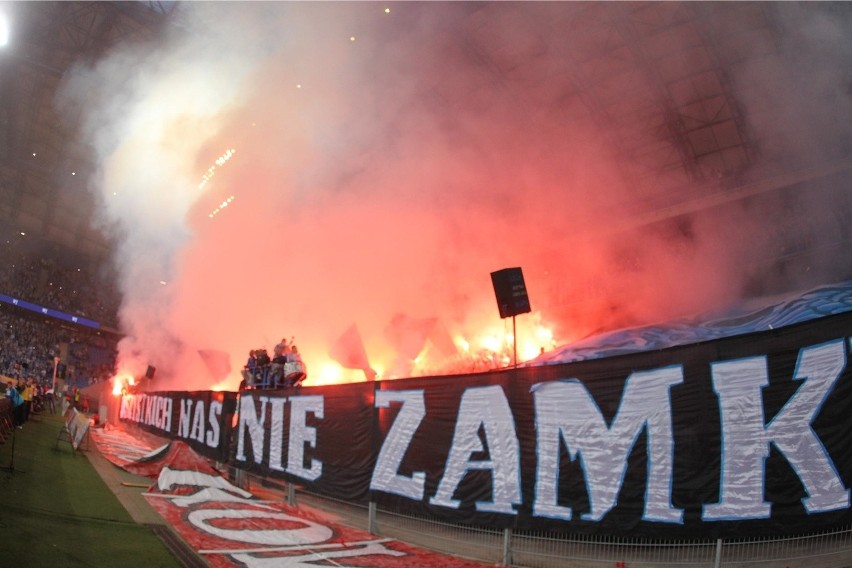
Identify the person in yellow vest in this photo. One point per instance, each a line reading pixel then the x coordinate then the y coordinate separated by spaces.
pixel 27 395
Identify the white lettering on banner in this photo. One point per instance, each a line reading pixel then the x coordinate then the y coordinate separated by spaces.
pixel 301 434
pixel 565 411
pixel 277 545
pixel 197 432
pixel 484 407
pixel 184 418
pixel 310 560
pixel 746 438
pixel 153 411
pixel 150 405
pixel 194 425
pixel 169 478
pixel 212 437
pixel 567 420
pixel 386 475
pixel 249 419
pixel 276 433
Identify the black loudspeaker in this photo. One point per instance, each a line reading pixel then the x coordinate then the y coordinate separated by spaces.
pixel 149 373
pixel 511 292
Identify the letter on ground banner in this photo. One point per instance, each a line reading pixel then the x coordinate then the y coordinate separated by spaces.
pixel 488 408
pixel 386 475
pixel 301 531
pixel 565 410
pixel 746 437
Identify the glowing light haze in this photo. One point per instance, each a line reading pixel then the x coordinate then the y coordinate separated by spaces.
pixel 371 178
pixel 4 29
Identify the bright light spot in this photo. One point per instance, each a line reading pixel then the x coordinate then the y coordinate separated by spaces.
pixel 545 335
pixel 115 193
pixel 34 154
pixel 73 173
pixel 529 352
pixel 4 30
pixel 299 86
pixel 220 161
pixel 351 38
pixel 491 343
pixel 329 373
pixel 221 207
pixel 387 10
pixel 23 234
pixel 162 282
pixel 121 383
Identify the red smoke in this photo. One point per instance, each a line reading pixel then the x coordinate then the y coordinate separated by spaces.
pixel 304 169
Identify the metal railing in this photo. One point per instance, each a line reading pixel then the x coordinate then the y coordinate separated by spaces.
pixel 537 549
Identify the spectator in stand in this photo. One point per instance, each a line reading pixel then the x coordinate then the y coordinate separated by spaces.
pixel 250 369
pixel 279 363
pixel 17 400
pixel 295 368
pixel 263 362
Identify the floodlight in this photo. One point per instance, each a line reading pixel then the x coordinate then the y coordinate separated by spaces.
pixel 4 29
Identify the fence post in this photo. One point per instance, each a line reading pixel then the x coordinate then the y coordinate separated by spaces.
pixel 507 547
pixel 241 479
pixel 718 561
pixel 371 518
pixel 291 494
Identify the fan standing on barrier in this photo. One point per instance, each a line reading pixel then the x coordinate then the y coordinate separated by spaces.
pixel 284 370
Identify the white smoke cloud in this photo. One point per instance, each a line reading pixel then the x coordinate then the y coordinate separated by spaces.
pixel 382 165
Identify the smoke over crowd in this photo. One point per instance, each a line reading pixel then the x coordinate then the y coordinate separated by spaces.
pixel 278 170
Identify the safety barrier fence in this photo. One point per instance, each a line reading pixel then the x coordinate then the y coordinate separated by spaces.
pixel 539 549
pixel 7 422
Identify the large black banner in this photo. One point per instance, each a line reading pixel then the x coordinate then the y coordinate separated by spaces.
pixel 744 436
pixel 201 419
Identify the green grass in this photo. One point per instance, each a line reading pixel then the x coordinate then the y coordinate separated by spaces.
pixel 55 510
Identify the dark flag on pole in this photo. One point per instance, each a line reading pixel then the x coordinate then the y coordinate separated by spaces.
pixel 217 362
pixel 349 351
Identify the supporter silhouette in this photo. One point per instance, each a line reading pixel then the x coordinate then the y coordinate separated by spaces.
pixel 262 373
pixel 279 363
pixel 17 400
pixel 295 368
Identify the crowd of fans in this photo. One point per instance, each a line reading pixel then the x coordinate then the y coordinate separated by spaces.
pixel 30 344
pixel 65 285
pixel 27 397
pixel 58 279
pixel 284 369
